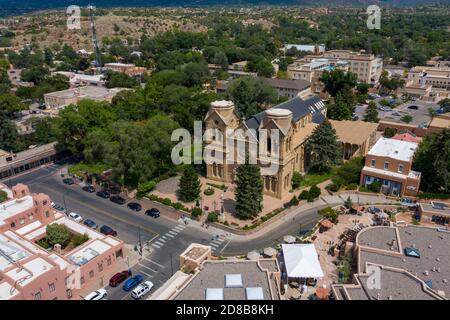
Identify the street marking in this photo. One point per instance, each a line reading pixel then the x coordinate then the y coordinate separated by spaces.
pixel 159 265
pixel 172 233
pixel 169 235
pixel 156 246
pixel 214 245
pixel 161 240
pixel 179 228
pixel 148 275
pixel 224 247
pixel 217 242
pixel 148 268
pixel 164 237
pixel 159 243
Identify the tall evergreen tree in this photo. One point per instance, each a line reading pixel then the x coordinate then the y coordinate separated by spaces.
pixel 189 185
pixel 249 191
pixel 432 159
pixel 323 147
pixel 371 114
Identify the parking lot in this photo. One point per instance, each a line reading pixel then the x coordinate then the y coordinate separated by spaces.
pixel 419 115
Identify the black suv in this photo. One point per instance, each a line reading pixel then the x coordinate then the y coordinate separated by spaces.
pixel 103 194
pixel 153 212
pixel 134 206
pixel 68 181
pixel 117 199
pixel 89 189
pixel 108 231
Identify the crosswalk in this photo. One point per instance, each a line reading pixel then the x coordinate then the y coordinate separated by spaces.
pixel 161 241
pixel 216 243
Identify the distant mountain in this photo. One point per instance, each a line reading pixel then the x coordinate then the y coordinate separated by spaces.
pixel 16 7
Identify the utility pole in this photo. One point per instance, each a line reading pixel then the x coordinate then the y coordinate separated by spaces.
pixel 98 61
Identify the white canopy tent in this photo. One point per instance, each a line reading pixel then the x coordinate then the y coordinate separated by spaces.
pixel 301 261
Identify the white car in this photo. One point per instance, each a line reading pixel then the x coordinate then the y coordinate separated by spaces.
pixel 75 216
pixel 96 295
pixel 142 289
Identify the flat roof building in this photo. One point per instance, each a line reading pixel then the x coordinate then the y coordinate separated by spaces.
pixel 389 161
pixel 30 271
pixel 413 263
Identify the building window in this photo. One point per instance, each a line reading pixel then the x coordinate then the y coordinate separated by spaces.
pixel 37 296
pixel 31 217
pixel 82 280
pixel 44 202
pixel 386 166
pixel 47 214
pixel 51 287
pixel 400 168
pixel 22 220
pixel 91 274
pixel 108 261
pixel 13 225
pixel 100 267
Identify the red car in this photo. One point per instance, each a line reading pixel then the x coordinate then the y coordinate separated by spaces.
pixel 118 278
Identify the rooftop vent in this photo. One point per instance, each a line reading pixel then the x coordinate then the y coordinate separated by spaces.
pixel 214 294
pixel 254 293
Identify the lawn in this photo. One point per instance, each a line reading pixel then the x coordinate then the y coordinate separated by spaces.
pixel 311 179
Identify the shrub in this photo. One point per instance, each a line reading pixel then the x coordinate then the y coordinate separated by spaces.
pixel 196 212
pixel 389 132
pixel 3 196
pixel 329 214
pixel 374 186
pixel 43 243
pixel 332 187
pixel 314 192
pixel 167 202
pixel 304 195
pixel 213 217
pixel 209 191
pixel 294 201
pixel 427 195
pixel 352 186
pixel 79 239
pixel 146 187
pixel 297 179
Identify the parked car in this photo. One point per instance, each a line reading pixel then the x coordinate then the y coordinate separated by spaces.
pixel 119 277
pixel 58 207
pixel 142 289
pixel 90 223
pixel 408 202
pixel 96 295
pixel 89 189
pixel 117 199
pixel 132 283
pixel 108 231
pixel 103 194
pixel 381 108
pixel 395 113
pixel 75 216
pixel 413 107
pixel 68 181
pixel 153 212
pixel 134 206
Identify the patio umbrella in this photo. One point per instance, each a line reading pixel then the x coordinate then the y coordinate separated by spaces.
pixel 270 252
pixel 289 239
pixel 253 255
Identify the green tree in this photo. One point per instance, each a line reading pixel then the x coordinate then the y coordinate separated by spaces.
pixel 9 139
pixel 389 132
pixel 189 185
pixel 250 95
pixel 337 80
pixel 249 191
pixel 323 147
pixel 10 104
pixel 445 105
pixel 340 110
pixel 119 80
pixel 58 234
pixel 432 159
pixel 371 114
pixel 348 203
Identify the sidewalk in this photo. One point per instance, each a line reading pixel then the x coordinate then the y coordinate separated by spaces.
pixel 293 213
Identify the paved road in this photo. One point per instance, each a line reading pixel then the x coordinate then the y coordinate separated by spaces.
pixel 164 238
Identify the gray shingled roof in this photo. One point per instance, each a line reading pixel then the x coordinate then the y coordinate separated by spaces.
pixel 299 108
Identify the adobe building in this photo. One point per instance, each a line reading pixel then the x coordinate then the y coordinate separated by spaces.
pixel 28 270
pixel 390 162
